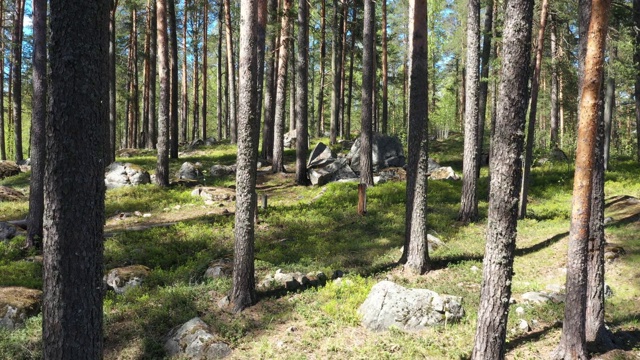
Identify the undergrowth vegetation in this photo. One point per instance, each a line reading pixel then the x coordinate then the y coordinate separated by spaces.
pixel 316 229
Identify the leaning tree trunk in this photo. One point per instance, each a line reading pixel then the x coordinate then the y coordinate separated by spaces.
pixel 368 73
pixel 16 83
pixel 231 72
pixel 535 86
pixel 336 68
pixel 243 293
pixel 572 343
pixel 281 92
pixel 415 250
pixel 302 93
pixel 74 205
pixel 173 112
pixel 162 166
pixel 469 199
pixel 506 170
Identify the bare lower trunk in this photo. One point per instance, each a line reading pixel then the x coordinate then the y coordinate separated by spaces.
pixel 368 74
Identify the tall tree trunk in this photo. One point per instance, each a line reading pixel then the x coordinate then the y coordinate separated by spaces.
pixel 281 90
pixel 415 249
pixel 261 33
pixel 336 68
pixel 38 123
pixel 609 106
pixel 555 110
pixel 343 61
pixel 146 139
pixel 111 155
pixel 74 205
pixel 351 55
pixel 302 93
pixel 205 70
pixel 184 113
pixel 385 70
pixel 506 169
pixel 135 140
pixel 572 343
pixel 16 83
pixel 535 87
pixel 483 91
pixel 173 110
pixel 323 55
pixel 368 73
pixel 219 75
pixel 243 293
pixel 195 129
pixel 469 200
pixel 231 72
pixel 152 129
pixel 3 151
pixel 162 166
pixel 292 87
pixel 636 61
pixel 270 93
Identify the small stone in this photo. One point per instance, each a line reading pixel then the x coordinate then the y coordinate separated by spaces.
pixel 177 207
pixel 292 329
pixel 535 297
pixel 608 220
pixel 608 293
pixel 524 325
pixel 224 302
pixel 209 202
pixel 520 310
pixel 146 215
pixel 475 269
pixel 137 213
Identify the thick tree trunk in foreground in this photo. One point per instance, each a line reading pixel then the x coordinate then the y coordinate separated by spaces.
pixel 270 92
pixel 16 81
pixel 74 205
pixel 302 94
pixel 368 73
pixel 572 344
pixel 506 170
pixel 415 250
pixel 162 166
pixel 231 73
pixel 38 123
pixel 469 200
pixel 535 86
pixel 243 293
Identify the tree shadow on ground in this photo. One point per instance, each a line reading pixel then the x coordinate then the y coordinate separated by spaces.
pixel 532 336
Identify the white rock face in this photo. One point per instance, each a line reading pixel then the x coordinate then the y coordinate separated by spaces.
pixel 193 340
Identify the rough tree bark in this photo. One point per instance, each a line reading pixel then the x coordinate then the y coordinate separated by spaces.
pixel 3 149
pixel 270 93
pixel 336 68
pixel 323 55
pixel 219 76
pixel 74 205
pixel 195 34
pixel 151 129
pixel 506 170
pixel 231 73
pixel 162 165
pixel 368 73
pixel 184 112
pixel 173 110
pixel 205 68
pixel 261 33
pixel 636 61
pixel 555 109
pixel 302 93
pixel 483 91
pixel 111 154
pixel 16 81
pixel 385 71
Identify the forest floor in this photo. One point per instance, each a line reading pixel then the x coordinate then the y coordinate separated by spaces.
pixel 312 228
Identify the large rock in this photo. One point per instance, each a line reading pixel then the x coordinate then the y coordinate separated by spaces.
pixel 8 168
pixel 390 304
pixel 124 278
pixel 7 231
pixel 17 304
pixel 222 170
pixel 335 171
pixel 119 175
pixel 189 171
pixel 221 268
pixel 386 152
pixel 444 173
pixel 9 194
pixel 194 340
pixel 432 165
pixel 290 139
pixel 215 193
pixel 320 156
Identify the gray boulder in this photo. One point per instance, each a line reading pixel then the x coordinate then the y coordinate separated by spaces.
pixel 221 268
pixel 210 141
pixel 389 304
pixel 290 139
pixel 189 171
pixel 386 152
pixel 17 304
pixel 335 171
pixel 7 231
pixel 215 193
pixel 320 156
pixel 194 340
pixel 222 170
pixel 444 173
pixel 8 168
pixel 125 278
pixel 196 143
pixel 432 165
pixel 118 175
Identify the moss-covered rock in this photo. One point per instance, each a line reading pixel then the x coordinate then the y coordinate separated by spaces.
pixel 17 304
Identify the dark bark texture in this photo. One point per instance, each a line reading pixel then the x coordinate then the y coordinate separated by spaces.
pixel 336 68
pixel 483 92
pixel 16 80
pixel 302 94
pixel 173 110
pixel 270 91
pixel 368 73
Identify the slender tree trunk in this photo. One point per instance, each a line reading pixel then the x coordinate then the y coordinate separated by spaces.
pixel 292 87
pixel 219 75
pixel 350 97
pixel 74 205
pixel 554 86
pixel 16 84
pixel 243 293
pixel 323 55
pixel 336 68
pixel 415 250
pixel 572 343
pixel 173 63
pixel 38 122
pixel 368 73
pixel 609 106
pixel 469 200
pixel 506 169
pixel 162 166
pixel 483 91
pixel 231 72
pixel 146 139
pixel 3 147
pixel 636 61
pixel 135 139
pixel 270 93
pixel 205 70
pixel 343 61
pixel 385 70
pixel 535 87
pixel 261 42
pixel 152 122
pixel 195 129
pixel 111 154
pixel 278 134
pixel 302 93
pixel 184 114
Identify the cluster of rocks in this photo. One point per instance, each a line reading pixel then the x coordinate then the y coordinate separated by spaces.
pixel 295 280
pixel 323 167
pixel 391 305
pixel 195 340
pixel 17 304
pixel 118 175
pixel 438 172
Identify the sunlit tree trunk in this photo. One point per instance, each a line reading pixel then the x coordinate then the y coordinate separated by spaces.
pixel 162 166
pixel 270 91
pixel 173 106
pixel 483 91
pixel 184 113
pixel 636 61
pixel 3 147
pixel 385 71
pixel 368 73
pixel 347 130
pixel 205 69
pixel 336 69
pixel 16 82
pixel 231 73
pixel 555 86
pixel 152 122
pixel 281 89
pixel 219 76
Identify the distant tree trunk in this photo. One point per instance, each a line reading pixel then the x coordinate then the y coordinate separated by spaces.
pixel 38 122
pixel 270 93
pixel 415 250
pixel 3 147
pixel 555 110
pixel 636 61
pixel 535 86
pixel 506 169
pixel 336 68
pixel 385 70
pixel 609 106
pixel 469 200
pixel 343 61
pixel 219 75
pixel 243 293
pixel 111 154
pixel 173 111
pixel 162 166
pixel 16 84
pixel 135 140
pixel 195 129
pixel 483 91
pixel 261 33
pixel 292 87
pixel 231 73
pixel 205 70
pixel 278 134
pixel 368 73
pixel 74 205
pixel 323 55
pixel 145 138
pixel 302 93
pixel 572 343
pixel 152 130
pixel 347 130
pixel 184 114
